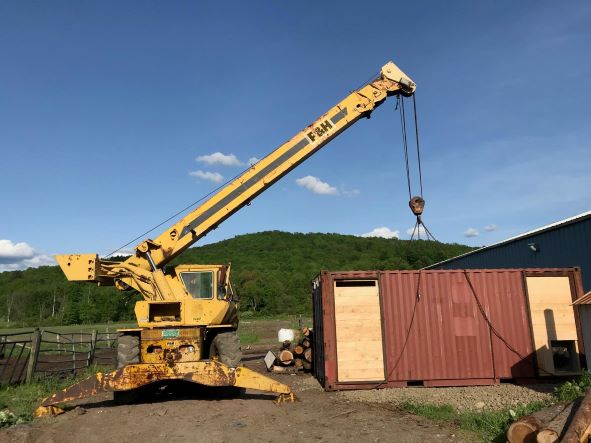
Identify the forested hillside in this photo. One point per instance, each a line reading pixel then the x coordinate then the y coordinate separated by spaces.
pixel 271 271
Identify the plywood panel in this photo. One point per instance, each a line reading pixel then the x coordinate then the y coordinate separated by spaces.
pixel 552 316
pixel 358 321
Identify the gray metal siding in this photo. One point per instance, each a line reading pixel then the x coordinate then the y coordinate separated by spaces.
pixel 561 247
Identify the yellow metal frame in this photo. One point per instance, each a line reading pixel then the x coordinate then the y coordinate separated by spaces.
pixel 209 373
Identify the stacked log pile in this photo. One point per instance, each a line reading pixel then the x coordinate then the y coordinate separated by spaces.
pixel 570 423
pixel 292 358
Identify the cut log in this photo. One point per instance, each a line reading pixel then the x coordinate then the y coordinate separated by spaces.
pixel 306 365
pixel 545 425
pixel 298 350
pixel 579 430
pixel 523 430
pixel 547 436
pixel 306 332
pixel 298 363
pixel 306 343
pixel 284 369
pixel 285 357
pixel 308 355
pixel 554 427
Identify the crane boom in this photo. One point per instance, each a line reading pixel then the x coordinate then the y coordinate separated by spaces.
pixel 155 254
pixel 282 160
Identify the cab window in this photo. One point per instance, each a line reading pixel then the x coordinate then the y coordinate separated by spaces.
pixel 198 284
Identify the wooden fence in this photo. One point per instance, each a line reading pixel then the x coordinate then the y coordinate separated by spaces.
pixel 26 354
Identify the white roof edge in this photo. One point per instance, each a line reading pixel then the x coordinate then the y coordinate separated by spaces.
pixel 517 237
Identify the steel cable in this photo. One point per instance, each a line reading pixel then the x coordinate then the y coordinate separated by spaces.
pixel 186 208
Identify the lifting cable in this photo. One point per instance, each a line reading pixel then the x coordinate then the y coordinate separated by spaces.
pixel 416 203
pixel 185 209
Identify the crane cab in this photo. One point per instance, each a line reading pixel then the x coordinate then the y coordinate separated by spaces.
pixel 199 295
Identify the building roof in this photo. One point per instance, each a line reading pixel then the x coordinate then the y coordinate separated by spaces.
pixel 551 226
pixel 584 300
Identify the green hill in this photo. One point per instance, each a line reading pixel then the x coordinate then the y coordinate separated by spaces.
pixel 271 271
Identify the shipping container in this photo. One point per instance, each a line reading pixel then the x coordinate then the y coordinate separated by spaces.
pixel 445 328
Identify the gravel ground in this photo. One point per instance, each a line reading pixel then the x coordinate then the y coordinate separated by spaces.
pixel 472 398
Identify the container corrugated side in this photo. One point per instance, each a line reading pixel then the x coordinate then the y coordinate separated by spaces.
pixel 458 336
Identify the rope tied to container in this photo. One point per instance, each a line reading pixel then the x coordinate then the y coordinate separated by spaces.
pixel 495 330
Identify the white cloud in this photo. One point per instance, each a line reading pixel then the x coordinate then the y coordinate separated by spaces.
pixel 383 232
pixel 218 158
pixel 214 177
pixel 490 228
pixel 120 253
pixel 14 251
pixel 351 193
pixel 316 185
pixel 471 232
pixel 253 160
pixel 421 232
pixel 16 256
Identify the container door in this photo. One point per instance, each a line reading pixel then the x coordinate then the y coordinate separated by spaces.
pixel 553 325
pixel 358 320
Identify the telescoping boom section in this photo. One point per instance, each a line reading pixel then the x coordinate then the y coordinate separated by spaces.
pixel 154 254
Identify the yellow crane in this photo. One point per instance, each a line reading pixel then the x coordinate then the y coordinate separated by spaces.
pixel 188 319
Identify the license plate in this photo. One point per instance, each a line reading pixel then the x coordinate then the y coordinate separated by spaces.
pixel 170 333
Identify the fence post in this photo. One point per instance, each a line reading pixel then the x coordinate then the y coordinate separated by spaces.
pixel 73 355
pixel 92 348
pixel 2 345
pixel 33 354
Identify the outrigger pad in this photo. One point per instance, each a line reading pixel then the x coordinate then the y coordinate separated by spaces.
pixel 209 373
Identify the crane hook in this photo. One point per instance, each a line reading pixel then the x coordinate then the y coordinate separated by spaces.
pixel 417 204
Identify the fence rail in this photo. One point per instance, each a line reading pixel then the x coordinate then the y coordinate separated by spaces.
pixel 42 352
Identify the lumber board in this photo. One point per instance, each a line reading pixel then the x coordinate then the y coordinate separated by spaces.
pixel 358 324
pixel 552 316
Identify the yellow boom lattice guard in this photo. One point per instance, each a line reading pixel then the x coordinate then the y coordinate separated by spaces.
pixel 209 373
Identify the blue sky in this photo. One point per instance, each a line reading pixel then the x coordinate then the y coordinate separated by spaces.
pixel 106 106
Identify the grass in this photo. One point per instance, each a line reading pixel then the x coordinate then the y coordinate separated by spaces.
pixel 571 390
pixel 101 327
pixel 489 426
pixel 248 338
pixel 18 402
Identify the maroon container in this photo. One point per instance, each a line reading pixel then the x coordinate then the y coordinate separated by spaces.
pixel 439 328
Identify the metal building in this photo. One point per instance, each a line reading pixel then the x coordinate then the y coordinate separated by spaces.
pixel 564 244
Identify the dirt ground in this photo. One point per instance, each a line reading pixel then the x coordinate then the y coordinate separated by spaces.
pixel 184 412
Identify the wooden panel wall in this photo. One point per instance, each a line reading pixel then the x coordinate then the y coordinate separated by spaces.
pixel 358 320
pixel 552 316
